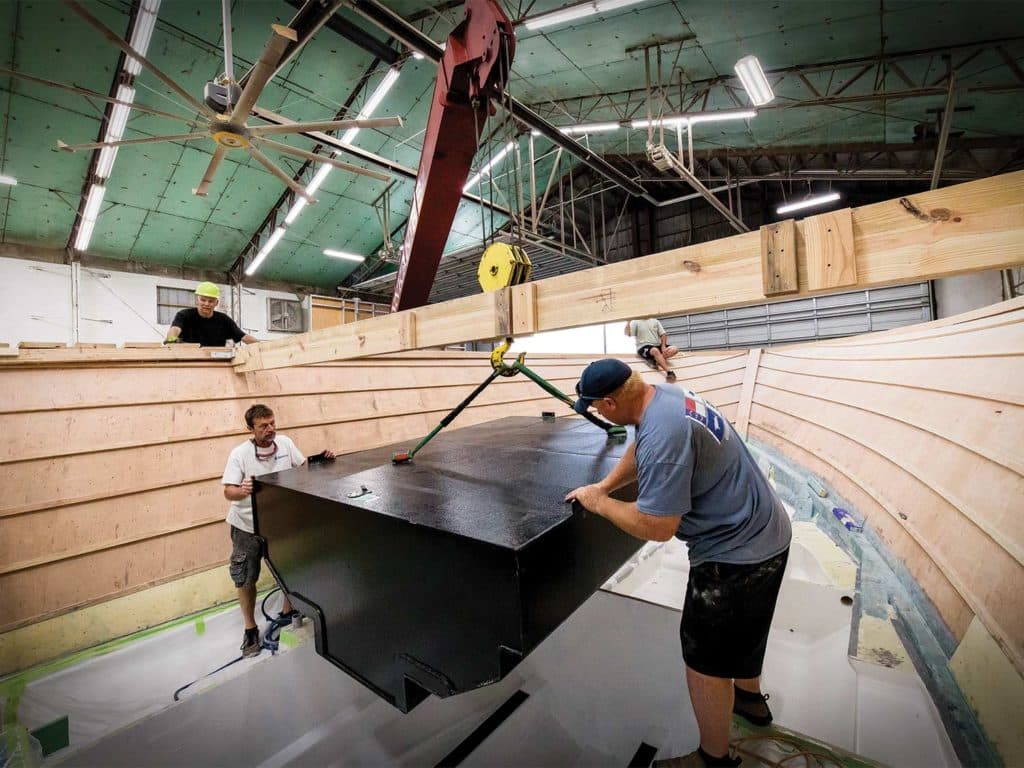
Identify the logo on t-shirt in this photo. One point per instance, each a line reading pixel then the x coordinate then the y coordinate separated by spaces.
pixel 698 409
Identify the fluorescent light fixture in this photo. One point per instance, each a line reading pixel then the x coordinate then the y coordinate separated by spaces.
pixel 89 215
pixel 141 33
pixel 573 12
pixel 697 117
pixel 590 128
pixel 810 202
pixel 494 161
pixel 321 174
pixel 115 131
pixel 372 103
pixel 267 248
pixel 343 255
pixel 9 180
pixel 661 121
pixel 314 185
pixel 296 209
pixel 749 71
pixel 725 114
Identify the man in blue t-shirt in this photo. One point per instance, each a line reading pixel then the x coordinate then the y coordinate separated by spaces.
pixel 698 481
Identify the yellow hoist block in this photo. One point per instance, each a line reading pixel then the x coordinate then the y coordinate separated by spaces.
pixel 503 265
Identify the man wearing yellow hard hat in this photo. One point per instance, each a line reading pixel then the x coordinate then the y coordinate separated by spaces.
pixel 203 325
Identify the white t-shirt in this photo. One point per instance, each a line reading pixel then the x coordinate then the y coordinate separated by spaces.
pixel 242 463
pixel 646 332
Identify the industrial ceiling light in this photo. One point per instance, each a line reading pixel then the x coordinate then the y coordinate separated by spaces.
pixel 9 180
pixel 697 117
pixel 756 84
pixel 573 12
pixel 494 161
pixel 145 21
pixel 343 255
pixel 267 248
pixel 590 128
pixel 372 103
pixel 314 185
pixel 810 202
pixel 89 215
pixel 115 130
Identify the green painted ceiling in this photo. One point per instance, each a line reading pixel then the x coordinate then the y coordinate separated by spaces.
pixel 151 216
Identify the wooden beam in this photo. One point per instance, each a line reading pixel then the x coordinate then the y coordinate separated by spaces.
pixel 955 230
pixel 486 316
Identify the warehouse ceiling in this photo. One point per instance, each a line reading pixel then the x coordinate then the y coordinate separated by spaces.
pixel 860 90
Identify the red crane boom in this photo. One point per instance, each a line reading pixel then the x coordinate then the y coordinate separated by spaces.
pixel 472 72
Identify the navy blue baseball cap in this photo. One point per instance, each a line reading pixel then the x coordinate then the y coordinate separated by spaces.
pixel 600 379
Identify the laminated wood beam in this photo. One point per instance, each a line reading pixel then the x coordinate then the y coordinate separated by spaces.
pixel 955 230
pixel 486 316
pixel 950 231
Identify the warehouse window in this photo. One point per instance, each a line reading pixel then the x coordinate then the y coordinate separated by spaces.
pixel 170 300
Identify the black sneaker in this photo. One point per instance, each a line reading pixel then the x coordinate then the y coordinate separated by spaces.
pixel 284 619
pixel 670 376
pixel 752 707
pixel 251 642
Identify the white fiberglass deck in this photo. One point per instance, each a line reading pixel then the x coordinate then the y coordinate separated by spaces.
pixel 605 682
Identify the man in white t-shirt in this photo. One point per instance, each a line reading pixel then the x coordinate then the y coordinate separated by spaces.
pixel 265 452
pixel 652 344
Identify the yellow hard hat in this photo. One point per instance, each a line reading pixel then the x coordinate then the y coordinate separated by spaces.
pixel 209 290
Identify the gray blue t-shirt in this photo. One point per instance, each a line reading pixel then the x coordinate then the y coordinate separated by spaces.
pixel 691 461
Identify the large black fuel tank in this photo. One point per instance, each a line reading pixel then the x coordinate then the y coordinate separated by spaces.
pixel 440 575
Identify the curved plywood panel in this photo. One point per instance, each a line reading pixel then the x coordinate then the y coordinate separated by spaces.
pixel 921 428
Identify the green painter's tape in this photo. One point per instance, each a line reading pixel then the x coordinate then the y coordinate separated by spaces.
pixel 12 686
pixel 289 639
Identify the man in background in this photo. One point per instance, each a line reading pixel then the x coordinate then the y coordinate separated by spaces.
pixel 205 326
pixel 652 344
pixel 265 452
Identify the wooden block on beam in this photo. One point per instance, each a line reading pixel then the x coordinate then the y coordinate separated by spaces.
pixel 778 258
pixel 143 344
pixel 524 309
pixel 829 251
pixel 42 345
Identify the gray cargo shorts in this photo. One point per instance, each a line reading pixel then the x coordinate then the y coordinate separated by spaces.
pixel 246 556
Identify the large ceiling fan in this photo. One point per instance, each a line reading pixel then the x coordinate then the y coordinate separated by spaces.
pixel 226 109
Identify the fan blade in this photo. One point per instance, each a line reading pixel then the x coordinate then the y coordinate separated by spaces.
pixel 327 125
pixel 124 46
pixel 266 163
pixel 211 170
pixel 129 142
pixel 94 95
pixel 264 69
pixel 290 150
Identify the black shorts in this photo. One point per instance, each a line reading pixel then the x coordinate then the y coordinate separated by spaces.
pixel 246 554
pixel 727 615
pixel 645 352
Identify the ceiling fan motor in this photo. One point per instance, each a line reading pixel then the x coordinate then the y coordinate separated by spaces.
pixel 220 97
